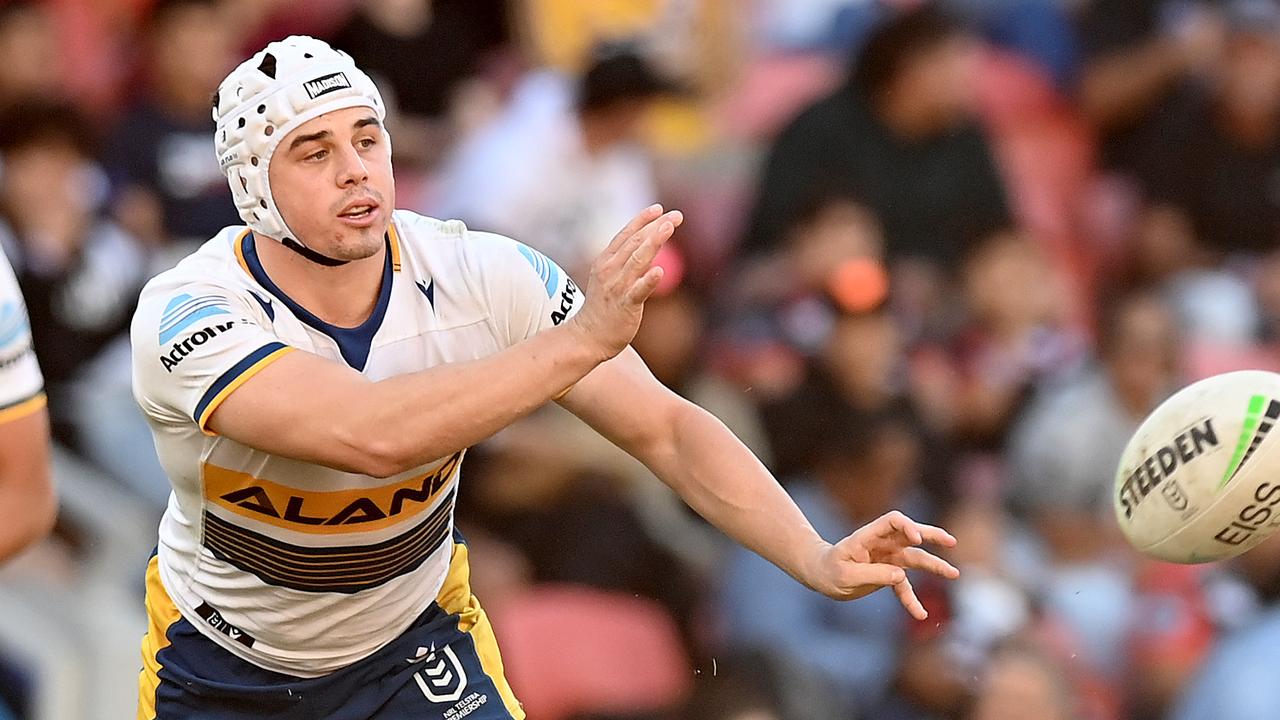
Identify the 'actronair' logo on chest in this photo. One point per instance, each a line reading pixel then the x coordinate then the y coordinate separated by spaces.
pixel 327 84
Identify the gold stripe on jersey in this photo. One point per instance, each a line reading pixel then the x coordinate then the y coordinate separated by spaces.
pixel 321 512
pixel 342 569
pixel 22 408
pixel 455 598
pixel 161 614
pixel 238 246
pixel 394 242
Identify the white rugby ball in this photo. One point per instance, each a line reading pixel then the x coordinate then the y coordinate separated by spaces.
pixel 1200 479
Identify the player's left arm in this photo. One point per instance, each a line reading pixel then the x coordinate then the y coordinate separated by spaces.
pixel 695 454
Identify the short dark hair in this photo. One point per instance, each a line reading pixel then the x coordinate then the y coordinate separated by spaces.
pixel 37 121
pixel 621 75
pixel 897 42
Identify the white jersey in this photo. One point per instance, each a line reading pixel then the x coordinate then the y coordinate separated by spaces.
pixel 293 566
pixel 21 386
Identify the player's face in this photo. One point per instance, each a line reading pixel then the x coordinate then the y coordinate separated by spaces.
pixel 331 178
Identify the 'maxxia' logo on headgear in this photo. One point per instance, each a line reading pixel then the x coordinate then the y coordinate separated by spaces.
pixel 327 84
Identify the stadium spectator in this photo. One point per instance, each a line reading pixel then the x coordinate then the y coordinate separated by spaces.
pixel 1237 681
pixel 169 186
pixel 1214 149
pixel 79 272
pixel 1017 337
pixel 1063 452
pixel 581 167
pixel 29 57
pixel 1138 54
pixel 1024 682
pixel 899 134
pixel 862 466
pixel 1063 464
pixel 424 51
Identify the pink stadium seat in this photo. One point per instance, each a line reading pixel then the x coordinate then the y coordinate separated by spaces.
pixel 570 650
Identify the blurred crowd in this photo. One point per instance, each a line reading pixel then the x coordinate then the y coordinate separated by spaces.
pixel 939 256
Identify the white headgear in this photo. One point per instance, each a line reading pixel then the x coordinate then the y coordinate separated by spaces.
pixel 284 85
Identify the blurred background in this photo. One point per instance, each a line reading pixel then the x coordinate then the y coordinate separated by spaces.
pixel 940 257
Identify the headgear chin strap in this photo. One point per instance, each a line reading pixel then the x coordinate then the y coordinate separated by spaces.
pixel 283 86
pixel 312 255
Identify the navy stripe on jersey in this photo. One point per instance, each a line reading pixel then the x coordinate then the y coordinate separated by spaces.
pixel 230 376
pixel 353 343
pixel 342 569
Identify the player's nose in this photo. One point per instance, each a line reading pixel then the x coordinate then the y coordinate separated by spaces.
pixel 351 169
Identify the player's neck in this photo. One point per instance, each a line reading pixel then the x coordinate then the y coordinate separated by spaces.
pixel 344 295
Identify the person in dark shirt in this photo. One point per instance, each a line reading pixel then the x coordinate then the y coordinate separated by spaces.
pixel 170 188
pixel 899 134
pixel 80 273
pixel 1216 151
pixel 1138 54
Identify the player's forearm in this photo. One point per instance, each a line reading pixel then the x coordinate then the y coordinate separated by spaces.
pixel 725 483
pixel 28 504
pixel 408 420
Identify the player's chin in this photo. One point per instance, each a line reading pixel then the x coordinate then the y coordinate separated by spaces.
pixel 358 243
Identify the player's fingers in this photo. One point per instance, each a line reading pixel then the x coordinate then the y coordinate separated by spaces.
pixel 645 286
pixel 907 596
pixel 622 258
pixel 927 561
pixel 896 522
pixel 936 535
pixel 644 217
pixel 879 574
pixel 642 257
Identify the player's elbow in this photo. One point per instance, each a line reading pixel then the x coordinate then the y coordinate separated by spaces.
pixel 378 456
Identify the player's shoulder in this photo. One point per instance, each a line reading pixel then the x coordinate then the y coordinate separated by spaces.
pixel 441 244
pixel 209 278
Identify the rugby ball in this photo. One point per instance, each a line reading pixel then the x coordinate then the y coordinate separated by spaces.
pixel 1200 479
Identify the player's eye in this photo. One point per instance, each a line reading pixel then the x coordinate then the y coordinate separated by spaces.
pixel 366 143
pixel 317 155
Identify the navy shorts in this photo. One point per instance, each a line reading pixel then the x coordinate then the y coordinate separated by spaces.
pixel 446 666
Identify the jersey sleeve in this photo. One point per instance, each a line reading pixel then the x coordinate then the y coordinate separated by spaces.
pixel 525 290
pixel 192 347
pixel 21 385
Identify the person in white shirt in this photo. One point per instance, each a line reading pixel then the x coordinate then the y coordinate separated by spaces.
pixel 313 381
pixel 563 165
pixel 27 501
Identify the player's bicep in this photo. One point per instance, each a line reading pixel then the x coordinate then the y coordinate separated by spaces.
pixel 297 407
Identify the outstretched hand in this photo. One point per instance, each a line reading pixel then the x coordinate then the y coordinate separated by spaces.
pixel 622 278
pixel 877 554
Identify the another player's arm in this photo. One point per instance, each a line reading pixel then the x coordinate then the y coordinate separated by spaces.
pixel 28 504
pixel 304 407
pixel 694 453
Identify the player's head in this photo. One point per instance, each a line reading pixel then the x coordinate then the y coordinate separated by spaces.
pixel 300 138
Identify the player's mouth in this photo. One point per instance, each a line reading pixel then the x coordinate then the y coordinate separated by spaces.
pixel 360 213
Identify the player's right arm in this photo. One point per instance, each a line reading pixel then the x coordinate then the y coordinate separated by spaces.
pixel 27 501
pixel 308 408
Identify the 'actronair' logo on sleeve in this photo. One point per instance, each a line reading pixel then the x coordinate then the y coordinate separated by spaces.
pixel 327 84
